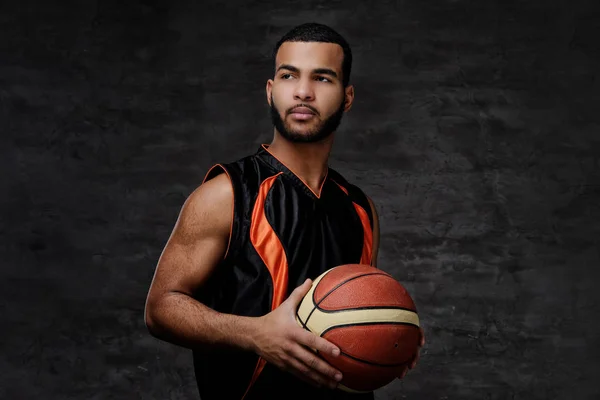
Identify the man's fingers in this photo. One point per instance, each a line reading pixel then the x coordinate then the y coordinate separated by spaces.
pixel 404 372
pixel 314 362
pixel 308 374
pixel 296 296
pixel 315 342
pixel 414 361
pixel 304 372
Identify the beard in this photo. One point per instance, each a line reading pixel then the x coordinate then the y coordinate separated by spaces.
pixel 320 132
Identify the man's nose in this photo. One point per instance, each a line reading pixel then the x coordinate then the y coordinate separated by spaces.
pixel 304 90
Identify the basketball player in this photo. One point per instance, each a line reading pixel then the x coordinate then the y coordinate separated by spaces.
pixel 250 239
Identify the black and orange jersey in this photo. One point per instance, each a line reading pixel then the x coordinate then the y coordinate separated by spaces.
pixel 282 233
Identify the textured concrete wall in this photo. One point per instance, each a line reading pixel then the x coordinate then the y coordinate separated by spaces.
pixel 475 130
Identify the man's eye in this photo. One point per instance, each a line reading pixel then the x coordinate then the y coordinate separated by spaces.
pixel 322 77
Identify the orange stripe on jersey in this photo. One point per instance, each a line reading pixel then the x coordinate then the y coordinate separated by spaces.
pixel 267 244
pixel 341 187
pixel 271 251
pixel 367 251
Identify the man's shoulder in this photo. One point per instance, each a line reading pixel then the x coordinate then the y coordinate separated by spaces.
pixel 217 191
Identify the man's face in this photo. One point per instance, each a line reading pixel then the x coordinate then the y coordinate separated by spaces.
pixel 306 97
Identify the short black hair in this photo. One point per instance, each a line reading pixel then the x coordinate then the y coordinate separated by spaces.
pixel 315 32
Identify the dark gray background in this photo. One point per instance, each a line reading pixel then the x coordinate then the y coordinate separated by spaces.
pixel 475 130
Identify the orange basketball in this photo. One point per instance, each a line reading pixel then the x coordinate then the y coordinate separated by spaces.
pixel 370 316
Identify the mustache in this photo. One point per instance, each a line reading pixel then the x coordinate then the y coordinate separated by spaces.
pixel 289 111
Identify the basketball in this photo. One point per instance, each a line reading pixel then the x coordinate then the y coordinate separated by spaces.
pixel 370 316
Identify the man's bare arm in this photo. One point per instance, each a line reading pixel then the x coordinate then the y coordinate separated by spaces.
pixel 196 247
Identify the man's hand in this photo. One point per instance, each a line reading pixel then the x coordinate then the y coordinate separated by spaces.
pixel 282 342
pixel 414 361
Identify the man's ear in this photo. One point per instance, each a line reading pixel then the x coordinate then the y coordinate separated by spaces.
pixel 348 97
pixel 268 90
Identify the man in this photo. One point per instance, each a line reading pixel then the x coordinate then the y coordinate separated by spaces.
pixel 251 238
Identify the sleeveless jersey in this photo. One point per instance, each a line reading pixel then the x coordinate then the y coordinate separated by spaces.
pixel 282 233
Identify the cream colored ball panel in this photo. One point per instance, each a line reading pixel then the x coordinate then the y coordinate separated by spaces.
pixel 321 321
pixel 307 304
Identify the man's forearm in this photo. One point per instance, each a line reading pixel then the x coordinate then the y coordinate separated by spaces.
pixel 179 319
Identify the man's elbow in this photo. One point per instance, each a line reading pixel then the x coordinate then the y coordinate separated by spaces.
pixel 150 324
pixel 150 318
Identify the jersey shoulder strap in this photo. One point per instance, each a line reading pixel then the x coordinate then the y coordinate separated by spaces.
pixel 233 172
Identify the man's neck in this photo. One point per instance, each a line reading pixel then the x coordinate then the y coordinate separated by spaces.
pixel 307 160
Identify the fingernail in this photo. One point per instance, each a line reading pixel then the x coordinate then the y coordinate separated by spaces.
pixel 338 377
pixel 335 352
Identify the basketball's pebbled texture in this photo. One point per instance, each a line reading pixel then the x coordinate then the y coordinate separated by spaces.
pixel 370 316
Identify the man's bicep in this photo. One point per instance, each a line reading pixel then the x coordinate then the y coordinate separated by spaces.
pixel 199 240
pixel 183 267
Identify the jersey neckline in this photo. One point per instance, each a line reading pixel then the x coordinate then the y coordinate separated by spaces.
pixel 271 159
